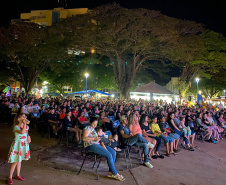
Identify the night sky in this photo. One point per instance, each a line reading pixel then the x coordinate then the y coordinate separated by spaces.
pixel 211 13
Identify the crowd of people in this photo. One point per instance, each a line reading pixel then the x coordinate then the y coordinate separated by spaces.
pixel 148 125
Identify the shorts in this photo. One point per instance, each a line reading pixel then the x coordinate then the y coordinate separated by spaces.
pixel 167 139
pixel 175 136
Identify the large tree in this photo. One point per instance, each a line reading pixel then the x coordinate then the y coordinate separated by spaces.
pixel 28 49
pixel 71 73
pixel 208 62
pixel 129 38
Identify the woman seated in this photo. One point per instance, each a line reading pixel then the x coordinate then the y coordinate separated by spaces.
pixel 222 121
pixel 201 125
pixel 83 121
pixel 96 111
pixel 208 120
pixel 186 144
pixel 92 144
pixel 148 133
pixel 184 129
pixel 62 115
pixel 70 126
pixel 106 122
pixel 135 128
pixel 75 113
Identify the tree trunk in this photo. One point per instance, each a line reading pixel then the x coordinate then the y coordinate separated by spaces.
pixel 29 80
pixel 125 73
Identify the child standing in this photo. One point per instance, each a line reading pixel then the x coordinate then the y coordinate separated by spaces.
pixel 20 147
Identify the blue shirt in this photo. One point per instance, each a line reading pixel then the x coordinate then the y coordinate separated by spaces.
pixel 125 129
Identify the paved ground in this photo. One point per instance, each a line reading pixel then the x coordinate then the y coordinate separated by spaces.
pixel 51 163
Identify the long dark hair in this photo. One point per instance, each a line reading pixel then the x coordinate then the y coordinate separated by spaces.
pixel 142 119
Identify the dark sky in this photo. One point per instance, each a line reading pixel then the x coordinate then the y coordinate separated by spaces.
pixel 212 13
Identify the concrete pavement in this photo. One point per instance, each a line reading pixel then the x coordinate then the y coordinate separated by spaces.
pixel 205 166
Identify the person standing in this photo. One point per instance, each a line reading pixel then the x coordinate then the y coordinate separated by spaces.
pixel 19 149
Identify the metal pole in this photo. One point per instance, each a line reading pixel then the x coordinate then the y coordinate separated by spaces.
pixel 197 92
pixel 86 86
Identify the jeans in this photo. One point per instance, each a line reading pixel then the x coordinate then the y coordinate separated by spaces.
pixel 167 139
pixel 174 136
pixel 159 143
pixel 84 125
pixel 109 154
pixel 181 135
pixel 139 140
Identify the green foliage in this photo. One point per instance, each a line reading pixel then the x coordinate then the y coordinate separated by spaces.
pixel 208 87
pixel 71 73
pixel 130 37
pixel 28 50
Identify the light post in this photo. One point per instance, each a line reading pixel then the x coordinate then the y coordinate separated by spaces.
pixel 197 81
pixel 86 75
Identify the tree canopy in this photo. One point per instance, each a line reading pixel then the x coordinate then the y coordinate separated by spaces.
pixel 128 44
pixel 130 37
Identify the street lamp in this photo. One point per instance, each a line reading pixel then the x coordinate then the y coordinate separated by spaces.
pixel 197 81
pixel 224 92
pixel 86 75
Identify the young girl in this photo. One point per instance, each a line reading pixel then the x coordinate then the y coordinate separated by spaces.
pixel 20 147
pixel 182 127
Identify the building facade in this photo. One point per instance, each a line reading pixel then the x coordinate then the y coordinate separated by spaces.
pixel 172 85
pixel 50 17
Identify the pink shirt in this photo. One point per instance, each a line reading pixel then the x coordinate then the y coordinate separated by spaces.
pixel 136 129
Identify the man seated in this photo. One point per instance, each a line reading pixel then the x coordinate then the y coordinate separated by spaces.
pixel 53 120
pixel 128 139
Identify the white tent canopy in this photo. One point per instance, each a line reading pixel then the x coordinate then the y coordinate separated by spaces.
pixel 152 91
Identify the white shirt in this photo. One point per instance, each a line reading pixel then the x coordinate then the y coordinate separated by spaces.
pixel 25 110
pixel 35 108
pixel 12 105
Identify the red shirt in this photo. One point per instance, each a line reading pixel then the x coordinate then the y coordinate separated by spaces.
pixel 62 116
pixel 82 118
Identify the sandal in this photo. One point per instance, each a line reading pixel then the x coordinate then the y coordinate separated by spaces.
pixel 175 154
pixel 117 177
pixel 150 158
pixel 20 178
pixel 182 144
pixel 160 156
pixel 168 155
pixel 117 149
